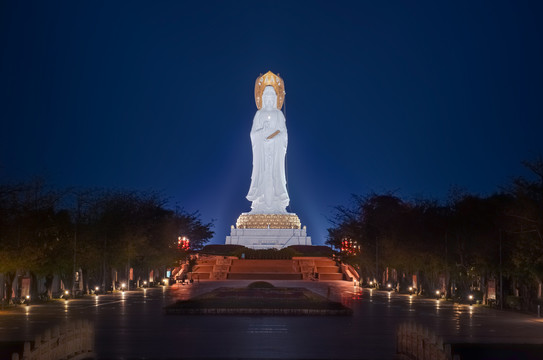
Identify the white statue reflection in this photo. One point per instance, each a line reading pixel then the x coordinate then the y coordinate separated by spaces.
pixel 268 191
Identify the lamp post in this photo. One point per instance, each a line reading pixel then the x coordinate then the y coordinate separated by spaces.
pixel 501 275
pixel 377 262
pixel 80 201
pixel 74 274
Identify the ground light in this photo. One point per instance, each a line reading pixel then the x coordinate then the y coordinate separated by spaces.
pixel 470 297
pixel 410 290
pixel 27 300
pixel 66 294
pixel 123 286
pixel 438 294
pixel 389 287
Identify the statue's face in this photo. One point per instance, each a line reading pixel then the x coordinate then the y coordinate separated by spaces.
pixel 269 98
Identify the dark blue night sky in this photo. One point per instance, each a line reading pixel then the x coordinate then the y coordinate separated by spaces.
pixel 412 97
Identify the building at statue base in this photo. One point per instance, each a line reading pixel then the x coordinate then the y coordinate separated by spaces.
pixel 268 231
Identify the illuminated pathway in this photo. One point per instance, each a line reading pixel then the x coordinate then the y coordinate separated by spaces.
pixel 133 325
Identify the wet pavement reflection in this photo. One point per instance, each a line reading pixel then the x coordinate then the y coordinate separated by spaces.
pixel 133 325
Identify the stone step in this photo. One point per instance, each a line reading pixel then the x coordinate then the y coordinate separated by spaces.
pixel 263 266
pixel 264 276
pixel 249 269
pixel 262 269
pixel 330 276
pixel 201 276
pixel 325 263
pixel 207 262
pixel 203 268
pixel 328 269
pixel 262 262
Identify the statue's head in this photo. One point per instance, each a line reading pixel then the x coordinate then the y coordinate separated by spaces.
pixel 269 98
pixel 269 79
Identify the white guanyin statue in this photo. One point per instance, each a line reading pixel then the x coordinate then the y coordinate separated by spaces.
pixel 269 138
pixel 268 225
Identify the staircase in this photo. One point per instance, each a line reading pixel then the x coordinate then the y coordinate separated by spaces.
pixel 328 270
pixel 264 270
pixel 203 269
pixel 212 268
pixel 299 268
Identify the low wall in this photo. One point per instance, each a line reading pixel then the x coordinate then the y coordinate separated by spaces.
pixel 416 342
pixel 73 341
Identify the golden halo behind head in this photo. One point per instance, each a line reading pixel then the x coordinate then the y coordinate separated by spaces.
pixel 269 79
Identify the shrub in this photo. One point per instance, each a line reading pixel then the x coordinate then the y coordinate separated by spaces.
pixel 224 250
pixel 312 250
pixel 513 302
pixel 266 254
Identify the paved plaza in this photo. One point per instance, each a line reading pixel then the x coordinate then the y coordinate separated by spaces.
pixel 132 325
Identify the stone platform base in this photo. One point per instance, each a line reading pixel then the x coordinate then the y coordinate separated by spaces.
pixel 268 238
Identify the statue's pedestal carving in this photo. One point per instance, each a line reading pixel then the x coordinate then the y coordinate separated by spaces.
pixel 268 221
pixel 258 231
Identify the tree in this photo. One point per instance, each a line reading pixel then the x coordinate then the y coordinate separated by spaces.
pixel 46 232
pixel 525 230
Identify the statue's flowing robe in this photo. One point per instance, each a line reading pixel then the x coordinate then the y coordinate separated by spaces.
pixel 269 154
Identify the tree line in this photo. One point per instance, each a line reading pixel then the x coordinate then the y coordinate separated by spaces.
pixel 466 241
pixel 47 232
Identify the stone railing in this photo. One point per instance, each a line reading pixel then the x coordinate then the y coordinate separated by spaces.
pixel 417 342
pixel 350 272
pixel 220 272
pixel 307 268
pixel 224 261
pixel 72 341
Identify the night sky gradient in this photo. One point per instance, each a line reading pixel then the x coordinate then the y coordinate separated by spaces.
pixel 405 96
